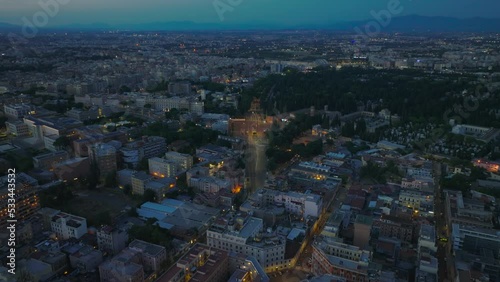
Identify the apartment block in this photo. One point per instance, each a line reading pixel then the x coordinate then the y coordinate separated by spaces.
pixel 86 259
pixel 330 256
pixel 242 234
pixel 476 240
pixel 202 263
pixel 26 195
pixel 152 256
pixel 148 147
pixel 104 156
pixel 67 226
pixel 111 239
pixel 126 266
pixel 17 128
pixel 160 167
pixel 47 161
pixel 17 111
pixel 184 161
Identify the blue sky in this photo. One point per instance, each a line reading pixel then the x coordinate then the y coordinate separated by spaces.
pixel 293 12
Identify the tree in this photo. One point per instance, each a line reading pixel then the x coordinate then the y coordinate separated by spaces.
pixel 172 114
pixel 133 212
pixel 151 233
pixel 103 218
pixel 143 164
pixel 3 119
pixel 127 189
pixel 360 126
pixel 124 89
pixel 149 196
pixel 62 142
pixel 110 180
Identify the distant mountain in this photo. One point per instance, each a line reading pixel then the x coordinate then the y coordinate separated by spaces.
pixel 415 23
pixel 7 26
pixel 92 26
pixel 412 23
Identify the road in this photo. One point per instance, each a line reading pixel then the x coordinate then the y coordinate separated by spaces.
pixel 330 207
pixel 445 260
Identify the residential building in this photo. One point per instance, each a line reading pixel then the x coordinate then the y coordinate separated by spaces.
pixel 484 134
pixel 395 227
pixel 160 167
pixel 243 234
pixel 330 256
pixel 209 184
pixel 124 177
pixel 184 161
pixel 83 115
pixel 72 169
pixel 152 256
pixel 41 127
pixel 47 161
pixel 142 181
pixel 180 218
pixel 303 204
pixel 246 268
pixel 148 147
pixel 67 226
pixel 362 230
pixel 490 166
pixel 201 264
pixel 334 224
pixel 26 195
pixel 17 128
pixel 418 183
pixel 414 199
pixel 427 238
pixel 475 240
pixel 139 181
pixel 104 157
pixel 465 211
pixel 179 88
pixel 111 240
pixel 86 259
pixel 17 111
pixel 126 266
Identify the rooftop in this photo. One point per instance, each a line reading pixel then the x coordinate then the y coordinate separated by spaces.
pixel 145 247
pixel 363 219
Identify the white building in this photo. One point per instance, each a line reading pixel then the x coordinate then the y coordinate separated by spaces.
pixel 17 128
pixel 162 168
pixel 470 238
pixel 209 184
pixel 301 204
pixel 68 226
pixel 184 161
pixel 413 199
pixel 427 238
pixel 17 111
pixel 243 234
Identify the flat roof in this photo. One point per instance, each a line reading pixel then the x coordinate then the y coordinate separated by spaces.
pixel 158 207
pixel 363 219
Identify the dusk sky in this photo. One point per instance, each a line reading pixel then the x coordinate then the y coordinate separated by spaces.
pixel 288 12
